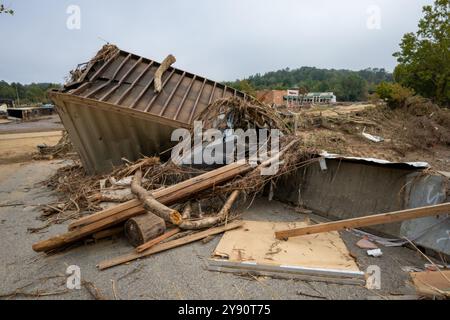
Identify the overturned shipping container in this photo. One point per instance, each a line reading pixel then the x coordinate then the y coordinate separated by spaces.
pixel 111 110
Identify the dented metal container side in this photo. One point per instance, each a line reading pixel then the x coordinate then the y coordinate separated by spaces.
pixel 102 138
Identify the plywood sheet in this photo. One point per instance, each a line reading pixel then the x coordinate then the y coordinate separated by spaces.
pixel 256 243
pixel 432 283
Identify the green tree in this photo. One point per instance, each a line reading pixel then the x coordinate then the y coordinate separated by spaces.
pixel 352 88
pixel 394 94
pixel 424 56
pixel 29 93
pixel 3 9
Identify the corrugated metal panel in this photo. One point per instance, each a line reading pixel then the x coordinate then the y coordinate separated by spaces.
pixel 126 80
pixel 113 111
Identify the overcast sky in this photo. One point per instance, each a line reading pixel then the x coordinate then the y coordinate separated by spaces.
pixel 223 40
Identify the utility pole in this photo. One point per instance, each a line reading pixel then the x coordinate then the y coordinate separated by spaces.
pixel 17 94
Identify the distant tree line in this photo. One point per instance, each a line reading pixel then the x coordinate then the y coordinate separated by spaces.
pixel 28 93
pixel 347 85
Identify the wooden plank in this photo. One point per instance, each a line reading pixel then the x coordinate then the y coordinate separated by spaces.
pixel 166 195
pixel 283 274
pixel 78 234
pixel 168 245
pixel 432 283
pixel 389 217
pixel 255 246
pixel 157 240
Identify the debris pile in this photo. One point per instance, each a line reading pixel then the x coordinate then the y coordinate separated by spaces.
pixel 62 149
pixel 420 129
pixel 158 204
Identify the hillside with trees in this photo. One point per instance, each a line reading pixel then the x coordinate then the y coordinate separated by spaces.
pixel 346 84
pixel 28 93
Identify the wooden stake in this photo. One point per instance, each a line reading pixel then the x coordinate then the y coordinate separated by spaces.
pixel 155 241
pixel 367 221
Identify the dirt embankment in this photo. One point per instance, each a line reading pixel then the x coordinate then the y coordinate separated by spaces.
pixel 17 147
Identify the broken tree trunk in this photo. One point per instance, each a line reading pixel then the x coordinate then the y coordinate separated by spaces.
pixel 151 204
pixel 187 211
pixel 367 221
pixel 143 228
pixel 172 194
pixel 211 221
pixel 168 245
pixel 168 61
pixel 122 212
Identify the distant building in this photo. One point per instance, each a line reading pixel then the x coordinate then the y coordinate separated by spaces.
pixel 271 96
pixel 318 98
pixel 293 98
pixel 8 102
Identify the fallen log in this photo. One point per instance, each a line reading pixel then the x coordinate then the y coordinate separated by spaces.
pixel 122 212
pixel 168 245
pixel 172 194
pixel 151 204
pixel 144 228
pixel 367 221
pixel 185 189
pixel 82 232
pixel 157 240
pixel 167 62
pixel 107 233
pixel 211 221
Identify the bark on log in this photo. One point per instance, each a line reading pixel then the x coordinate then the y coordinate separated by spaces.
pixel 168 61
pixel 211 221
pixel 151 204
pixel 144 228
pixel 187 211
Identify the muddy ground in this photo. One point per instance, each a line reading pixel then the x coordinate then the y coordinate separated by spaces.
pixel 39 124
pixel 18 147
pixel 176 274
